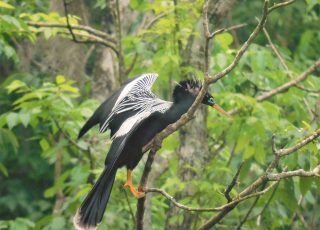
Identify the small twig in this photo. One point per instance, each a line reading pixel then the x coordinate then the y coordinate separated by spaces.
pixel 65 5
pixel 133 62
pixel 274 147
pixel 130 208
pixel 93 39
pixel 284 64
pixel 228 207
pixel 278 5
pixel 143 182
pixel 232 184
pixel 291 83
pixel 156 19
pixel 223 30
pixel 217 209
pixel 244 47
pixel 294 216
pixel 306 140
pixel 248 213
pixel 268 202
pixel 277 53
pixel 307 90
pixel 300 172
pixel 87 29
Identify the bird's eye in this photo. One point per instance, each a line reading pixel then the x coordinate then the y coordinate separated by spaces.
pixel 211 100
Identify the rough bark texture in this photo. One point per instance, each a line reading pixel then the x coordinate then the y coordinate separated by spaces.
pixel 104 79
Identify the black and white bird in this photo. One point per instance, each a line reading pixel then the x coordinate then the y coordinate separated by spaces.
pixel 134 115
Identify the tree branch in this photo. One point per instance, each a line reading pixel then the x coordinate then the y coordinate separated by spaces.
pixel 299 172
pixel 232 184
pixel 244 47
pixel 287 151
pixel 87 29
pixel 156 142
pixel 291 83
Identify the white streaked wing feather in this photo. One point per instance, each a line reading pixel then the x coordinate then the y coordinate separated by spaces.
pixel 136 95
pixel 127 125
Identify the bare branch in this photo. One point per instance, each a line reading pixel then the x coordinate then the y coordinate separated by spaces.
pixel 133 62
pixel 299 172
pixel 291 83
pixel 277 53
pixel 244 47
pixel 88 29
pixel 228 207
pixel 217 209
pixel 65 5
pixel 287 151
pixel 93 39
pixel 156 19
pixel 248 213
pixel 156 142
pixel 278 5
pixel 143 182
pixel 223 30
pixel 232 184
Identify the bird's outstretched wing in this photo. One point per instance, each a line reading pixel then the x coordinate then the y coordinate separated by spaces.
pixel 127 98
pixel 135 98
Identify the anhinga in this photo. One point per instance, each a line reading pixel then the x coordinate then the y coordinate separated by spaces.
pixel 134 115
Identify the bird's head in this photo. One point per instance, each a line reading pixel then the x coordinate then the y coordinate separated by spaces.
pixel 190 89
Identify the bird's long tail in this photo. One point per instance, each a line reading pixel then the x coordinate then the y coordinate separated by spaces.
pixel 92 209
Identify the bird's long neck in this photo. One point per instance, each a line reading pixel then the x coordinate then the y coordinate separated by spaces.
pixel 178 109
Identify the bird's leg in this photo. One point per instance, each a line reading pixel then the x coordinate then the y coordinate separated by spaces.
pixel 129 184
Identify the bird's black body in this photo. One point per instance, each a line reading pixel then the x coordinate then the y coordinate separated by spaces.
pixel 132 126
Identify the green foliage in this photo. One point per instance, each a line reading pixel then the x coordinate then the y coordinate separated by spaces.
pixel 41 116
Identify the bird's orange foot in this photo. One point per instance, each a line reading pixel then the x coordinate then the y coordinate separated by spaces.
pixel 137 194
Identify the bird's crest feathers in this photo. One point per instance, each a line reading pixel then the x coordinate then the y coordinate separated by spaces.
pixel 191 86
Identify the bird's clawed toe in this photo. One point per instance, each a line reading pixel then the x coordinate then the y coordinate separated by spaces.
pixel 137 194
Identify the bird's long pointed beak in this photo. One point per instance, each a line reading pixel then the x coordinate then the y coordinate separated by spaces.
pixel 221 110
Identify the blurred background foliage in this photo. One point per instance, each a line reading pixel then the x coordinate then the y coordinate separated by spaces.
pixel 45 171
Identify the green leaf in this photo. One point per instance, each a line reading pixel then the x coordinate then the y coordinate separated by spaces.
pixel 69 88
pixel 224 39
pixel 305 184
pixel 4 170
pixel 50 192
pixel 12 120
pixel 25 119
pixel 14 85
pixel 44 144
pixel 3 120
pixel 60 79
pixel 6 5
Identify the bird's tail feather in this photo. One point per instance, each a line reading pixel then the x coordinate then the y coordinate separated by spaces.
pixel 92 209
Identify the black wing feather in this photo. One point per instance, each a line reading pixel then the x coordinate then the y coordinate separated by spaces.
pixel 103 111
